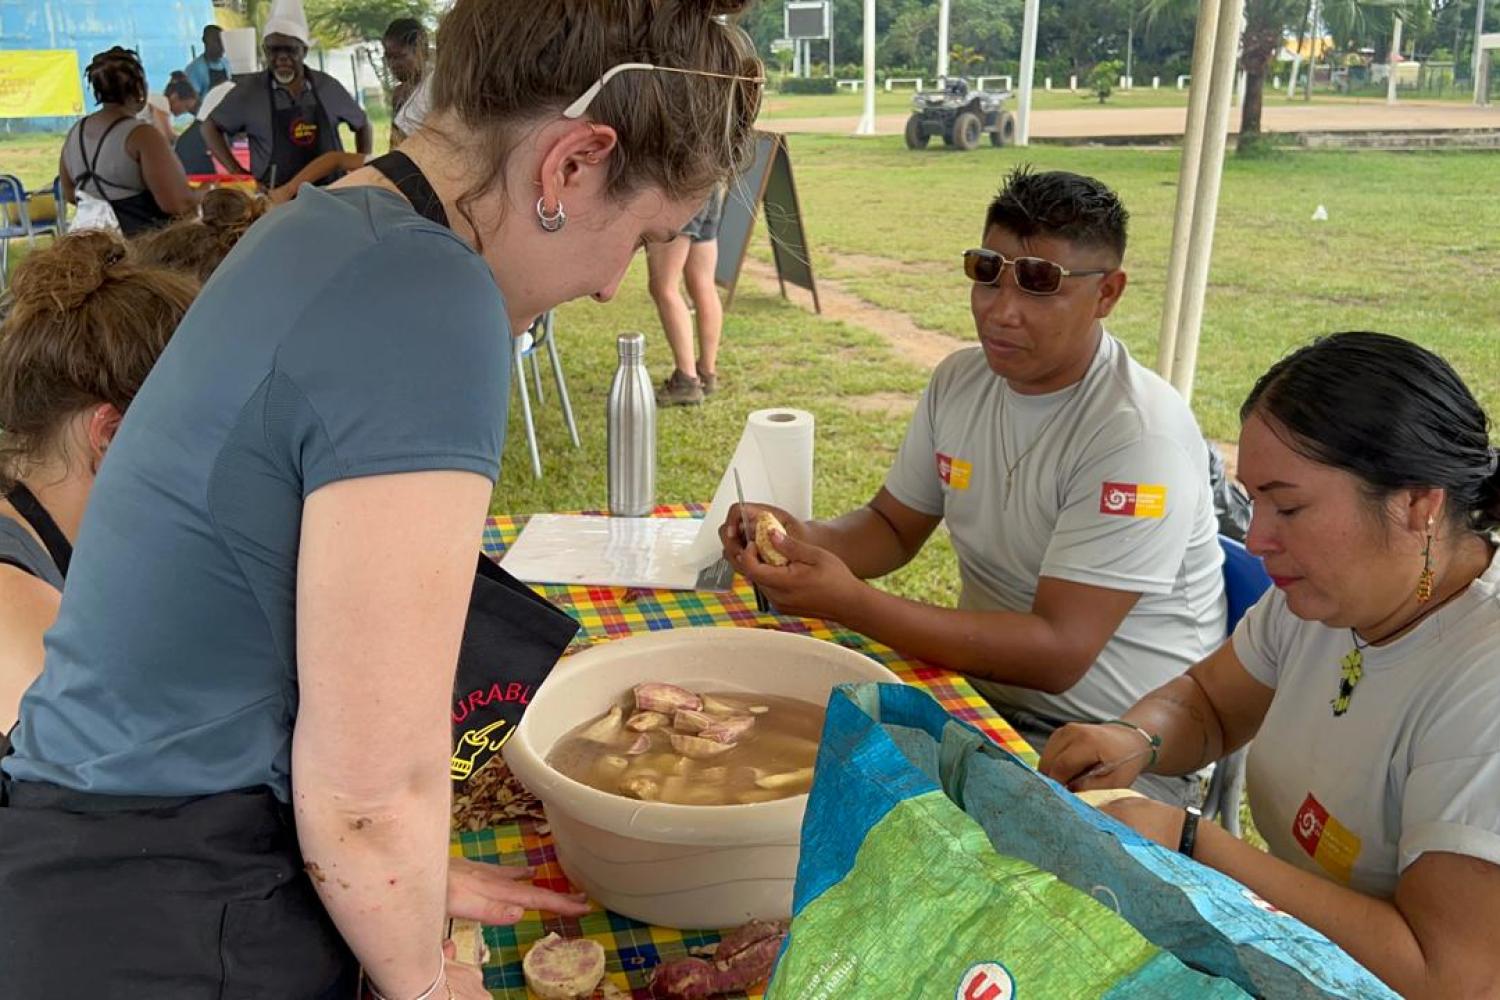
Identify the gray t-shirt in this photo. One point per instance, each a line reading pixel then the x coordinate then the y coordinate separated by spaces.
pixel 248 109
pixel 344 337
pixel 1113 492
pixel 1413 765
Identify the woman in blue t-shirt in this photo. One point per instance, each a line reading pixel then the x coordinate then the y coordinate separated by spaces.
pixel 235 768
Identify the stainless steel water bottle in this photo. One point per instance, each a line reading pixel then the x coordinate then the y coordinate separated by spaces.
pixel 631 424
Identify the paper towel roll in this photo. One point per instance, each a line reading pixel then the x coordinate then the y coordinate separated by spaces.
pixel 775 462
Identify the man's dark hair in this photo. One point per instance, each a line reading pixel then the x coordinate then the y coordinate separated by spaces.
pixel 211 29
pixel 1057 203
pixel 407 31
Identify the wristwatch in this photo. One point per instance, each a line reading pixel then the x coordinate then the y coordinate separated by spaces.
pixel 1189 838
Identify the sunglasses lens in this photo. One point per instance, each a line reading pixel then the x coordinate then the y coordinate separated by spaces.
pixel 982 267
pixel 1038 276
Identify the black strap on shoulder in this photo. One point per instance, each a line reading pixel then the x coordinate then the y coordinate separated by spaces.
pixel 58 546
pixel 90 166
pixel 410 181
pixel 18 564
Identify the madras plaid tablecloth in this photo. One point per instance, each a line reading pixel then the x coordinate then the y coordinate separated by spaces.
pixel 632 949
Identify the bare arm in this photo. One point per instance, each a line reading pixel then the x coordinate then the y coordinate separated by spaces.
pixel 364 138
pixel 872 540
pixel 28 607
pixel 214 139
pixel 1212 710
pixel 385 571
pixel 1435 939
pixel 162 171
pixel 69 191
pixel 1049 648
pixel 321 166
pixel 876 539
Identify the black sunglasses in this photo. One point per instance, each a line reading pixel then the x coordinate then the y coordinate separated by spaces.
pixel 290 51
pixel 1034 275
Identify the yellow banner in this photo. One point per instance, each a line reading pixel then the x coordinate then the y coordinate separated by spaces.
pixel 40 84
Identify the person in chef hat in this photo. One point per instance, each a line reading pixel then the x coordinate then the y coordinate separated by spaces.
pixel 290 113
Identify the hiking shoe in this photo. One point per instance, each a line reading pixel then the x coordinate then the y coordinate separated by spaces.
pixel 709 381
pixel 679 390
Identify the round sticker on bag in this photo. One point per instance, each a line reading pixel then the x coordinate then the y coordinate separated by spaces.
pixel 986 981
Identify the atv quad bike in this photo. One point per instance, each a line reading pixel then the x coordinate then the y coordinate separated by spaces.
pixel 961 117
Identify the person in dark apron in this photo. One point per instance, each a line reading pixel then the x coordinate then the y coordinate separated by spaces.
pixel 233 777
pixel 299 135
pixel 290 113
pixel 137 212
pixel 116 165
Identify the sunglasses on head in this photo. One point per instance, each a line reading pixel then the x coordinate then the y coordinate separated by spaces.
pixel 580 106
pixel 1034 275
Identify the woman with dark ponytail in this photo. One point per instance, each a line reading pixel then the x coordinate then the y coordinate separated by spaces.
pixel 110 157
pixel 234 773
pixel 1368 678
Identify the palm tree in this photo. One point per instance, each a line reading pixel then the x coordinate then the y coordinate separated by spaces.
pixel 1267 23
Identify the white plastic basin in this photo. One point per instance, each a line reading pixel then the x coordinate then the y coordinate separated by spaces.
pixel 677 865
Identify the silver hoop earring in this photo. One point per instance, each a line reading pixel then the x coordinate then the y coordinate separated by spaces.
pixel 550 221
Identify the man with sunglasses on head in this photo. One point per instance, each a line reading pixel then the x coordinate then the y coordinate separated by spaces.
pixel 1073 480
pixel 290 113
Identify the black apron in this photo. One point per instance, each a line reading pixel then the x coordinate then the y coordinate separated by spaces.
pixel 215 77
pixel 297 140
pixel 106 896
pixel 192 150
pixel 135 213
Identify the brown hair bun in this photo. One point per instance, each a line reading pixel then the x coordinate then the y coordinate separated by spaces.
pixel 86 321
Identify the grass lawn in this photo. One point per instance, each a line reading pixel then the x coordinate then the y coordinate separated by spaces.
pixel 1412 246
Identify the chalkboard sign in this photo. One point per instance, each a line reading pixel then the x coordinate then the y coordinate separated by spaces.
pixel 767 183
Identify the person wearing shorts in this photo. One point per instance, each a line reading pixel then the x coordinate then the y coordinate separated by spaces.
pixel 690 259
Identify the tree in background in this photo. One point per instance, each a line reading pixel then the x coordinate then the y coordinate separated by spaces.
pixel 1267 24
pixel 1103 77
pixel 345 22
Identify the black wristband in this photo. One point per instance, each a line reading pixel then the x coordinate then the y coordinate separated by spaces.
pixel 1189 838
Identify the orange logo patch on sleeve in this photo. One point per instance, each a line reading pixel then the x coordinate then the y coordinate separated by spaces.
pixel 1133 500
pixel 954 471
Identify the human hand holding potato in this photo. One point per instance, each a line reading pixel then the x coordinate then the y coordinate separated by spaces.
pixel 732 531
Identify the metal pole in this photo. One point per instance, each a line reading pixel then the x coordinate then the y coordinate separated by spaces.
pixel 1390 83
pixel 1187 184
pixel 1315 37
pixel 867 120
pixel 1130 48
pixel 1291 87
pixel 944 10
pixel 1478 30
pixel 1206 202
pixel 1028 70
